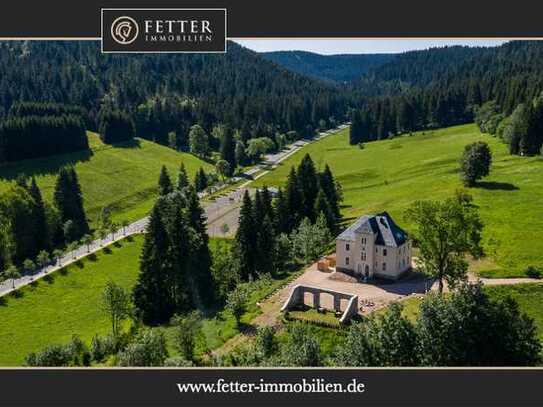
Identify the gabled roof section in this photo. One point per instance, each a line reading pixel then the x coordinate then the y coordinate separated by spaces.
pixel 382 226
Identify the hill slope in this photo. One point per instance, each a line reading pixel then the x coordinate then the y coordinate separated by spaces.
pixel 123 177
pixel 389 175
pixel 337 68
pixel 167 92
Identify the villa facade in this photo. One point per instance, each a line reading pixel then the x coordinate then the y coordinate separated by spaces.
pixel 374 246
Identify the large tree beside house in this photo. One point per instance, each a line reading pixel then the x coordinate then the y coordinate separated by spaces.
pixel 446 232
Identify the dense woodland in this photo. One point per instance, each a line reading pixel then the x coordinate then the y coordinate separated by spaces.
pixel 445 86
pixel 335 68
pixel 33 130
pixel 165 94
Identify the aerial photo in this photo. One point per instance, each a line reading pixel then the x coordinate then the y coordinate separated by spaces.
pixel 285 204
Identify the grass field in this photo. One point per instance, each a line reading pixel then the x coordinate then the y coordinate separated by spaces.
pixel 390 175
pixel 123 177
pixel 54 308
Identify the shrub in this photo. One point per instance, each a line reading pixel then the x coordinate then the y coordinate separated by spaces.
pixel 103 346
pixel 74 353
pixel 533 272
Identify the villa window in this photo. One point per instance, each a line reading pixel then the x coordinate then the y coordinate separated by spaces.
pixel 347 246
pixel 363 256
pixel 384 266
pixel 384 252
pixel 346 261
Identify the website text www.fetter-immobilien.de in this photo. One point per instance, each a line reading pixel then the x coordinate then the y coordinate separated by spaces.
pixel 315 385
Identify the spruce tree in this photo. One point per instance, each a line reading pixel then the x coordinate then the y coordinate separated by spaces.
pixel 182 178
pixel 228 149
pixel 356 128
pixel 68 199
pixel 179 240
pixel 308 184
pixel 328 185
pixel 200 180
pixel 282 215
pixel 150 292
pixel 245 245
pixel 265 246
pixel 293 199
pixel 164 182
pixel 322 206
pixel 200 258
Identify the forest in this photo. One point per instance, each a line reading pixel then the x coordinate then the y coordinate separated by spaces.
pixel 165 95
pixel 445 86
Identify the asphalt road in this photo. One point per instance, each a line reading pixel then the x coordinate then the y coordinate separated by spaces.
pixel 220 211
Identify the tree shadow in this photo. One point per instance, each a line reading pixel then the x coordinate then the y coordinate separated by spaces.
pixel 92 257
pixel 3 302
pixel 80 264
pixel 494 186
pixel 43 166
pixel 49 279
pixel 132 143
pixel 247 329
pixel 117 244
pixel 107 250
pixel 63 271
pixel 16 294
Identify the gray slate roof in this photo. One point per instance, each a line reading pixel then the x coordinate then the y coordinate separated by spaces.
pixel 386 231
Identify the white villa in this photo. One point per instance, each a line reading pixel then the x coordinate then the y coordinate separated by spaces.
pixel 373 246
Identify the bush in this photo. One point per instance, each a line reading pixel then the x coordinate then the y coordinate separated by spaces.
pixel 533 272
pixel 147 349
pixel 103 346
pixel 74 353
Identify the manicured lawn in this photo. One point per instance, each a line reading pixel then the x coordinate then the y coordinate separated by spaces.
pixel 389 175
pixel 123 177
pixel 65 303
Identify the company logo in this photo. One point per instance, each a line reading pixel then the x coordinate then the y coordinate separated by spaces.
pixel 124 30
pixel 163 30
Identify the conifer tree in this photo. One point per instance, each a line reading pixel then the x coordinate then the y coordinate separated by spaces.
pixel 308 184
pixel 322 206
pixel 228 149
pixel 328 185
pixel 265 246
pixel 356 128
pixel 245 245
pixel 150 301
pixel 282 215
pixel 182 178
pixel 200 180
pixel 164 182
pixel 69 201
pixel 293 199
pixel 200 258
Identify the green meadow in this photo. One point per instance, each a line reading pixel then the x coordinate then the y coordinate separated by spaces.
pixel 389 175
pixel 67 302
pixel 122 176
